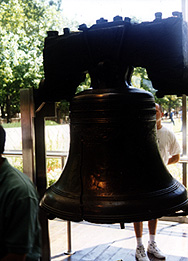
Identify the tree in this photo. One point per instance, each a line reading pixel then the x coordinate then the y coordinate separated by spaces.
pixel 63 106
pixel 168 102
pixel 23 26
pixel 84 85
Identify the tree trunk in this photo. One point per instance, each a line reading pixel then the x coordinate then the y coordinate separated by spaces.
pixel 8 109
pixel 2 110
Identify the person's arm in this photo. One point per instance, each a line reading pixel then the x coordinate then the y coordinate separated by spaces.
pixel 174 159
pixel 15 257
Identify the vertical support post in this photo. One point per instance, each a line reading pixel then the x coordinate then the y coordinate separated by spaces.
pixel 27 116
pixel 184 137
pixel 184 4
pixel 69 251
pixel 48 109
pixel 40 161
pixel 34 153
pixel 62 162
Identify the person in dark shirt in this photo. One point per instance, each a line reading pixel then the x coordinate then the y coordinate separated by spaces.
pixel 19 225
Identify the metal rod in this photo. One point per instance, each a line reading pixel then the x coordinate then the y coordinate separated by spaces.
pixel 184 6
pixel 69 251
pixel 184 137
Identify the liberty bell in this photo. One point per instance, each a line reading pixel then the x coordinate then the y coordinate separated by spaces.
pixel 114 172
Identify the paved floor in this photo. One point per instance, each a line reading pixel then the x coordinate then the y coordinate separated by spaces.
pixel 109 242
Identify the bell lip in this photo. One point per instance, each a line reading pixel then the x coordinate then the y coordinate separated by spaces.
pixel 75 211
pixel 110 219
pixel 70 216
pixel 145 216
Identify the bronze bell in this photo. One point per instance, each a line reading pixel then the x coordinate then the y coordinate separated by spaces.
pixel 114 171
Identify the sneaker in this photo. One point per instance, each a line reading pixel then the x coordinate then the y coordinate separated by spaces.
pixel 153 249
pixel 141 254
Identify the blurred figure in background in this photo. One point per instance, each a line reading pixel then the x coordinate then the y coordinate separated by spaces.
pixel 171 117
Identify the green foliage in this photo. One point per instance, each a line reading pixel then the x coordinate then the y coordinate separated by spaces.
pixel 140 72
pixel 63 106
pixel 53 170
pixel 168 102
pixel 84 85
pixel 11 125
pixel 18 124
pixel 23 26
pixel 50 123
pixel 53 167
pixel 16 162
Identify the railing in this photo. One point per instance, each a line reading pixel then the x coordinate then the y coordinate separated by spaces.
pixel 49 154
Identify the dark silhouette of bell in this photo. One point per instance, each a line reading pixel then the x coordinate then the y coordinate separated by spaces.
pixel 114 171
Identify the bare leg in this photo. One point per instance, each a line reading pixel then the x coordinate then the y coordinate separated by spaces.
pixel 138 228
pixel 152 224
